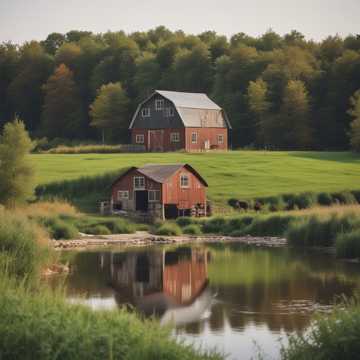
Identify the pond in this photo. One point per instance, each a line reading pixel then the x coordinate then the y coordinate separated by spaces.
pixel 238 299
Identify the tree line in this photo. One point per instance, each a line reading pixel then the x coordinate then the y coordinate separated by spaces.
pixel 280 92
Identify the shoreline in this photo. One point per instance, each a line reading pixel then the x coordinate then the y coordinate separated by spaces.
pixel 142 238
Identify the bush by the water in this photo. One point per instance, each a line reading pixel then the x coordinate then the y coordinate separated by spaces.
pixel 348 244
pixel 320 231
pixel 192 229
pixel 23 245
pixel 42 325
pixel 60 229
pixel 330 337
pixel 185 221
pixel 98 230
pixel 168 229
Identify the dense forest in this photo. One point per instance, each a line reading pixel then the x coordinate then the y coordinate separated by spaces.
pixel 280 92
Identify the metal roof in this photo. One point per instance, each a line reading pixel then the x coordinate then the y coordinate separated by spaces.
pixel 158 172
pixel 161 172
pixel 189 100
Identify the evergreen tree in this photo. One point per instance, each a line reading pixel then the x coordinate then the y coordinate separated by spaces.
pixel 110 112
pixel 16 171
pixel 62 114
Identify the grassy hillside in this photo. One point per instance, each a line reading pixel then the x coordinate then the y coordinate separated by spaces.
pixel 240 174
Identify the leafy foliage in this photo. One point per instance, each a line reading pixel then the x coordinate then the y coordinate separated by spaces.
pixel 16 172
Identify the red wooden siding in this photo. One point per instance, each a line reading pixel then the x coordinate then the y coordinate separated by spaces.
pixel 185 198
pixel 206 134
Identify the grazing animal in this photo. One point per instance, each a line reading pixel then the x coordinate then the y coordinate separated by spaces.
pixel 258 206
pixel 242 205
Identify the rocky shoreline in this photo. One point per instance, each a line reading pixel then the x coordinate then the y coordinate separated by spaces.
pixel 142 238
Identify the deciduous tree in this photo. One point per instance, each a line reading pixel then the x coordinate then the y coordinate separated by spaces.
pixel 355 124
pixel 16 170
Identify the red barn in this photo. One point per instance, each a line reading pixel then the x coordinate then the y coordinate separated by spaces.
pixel 160 191
pixel 171 121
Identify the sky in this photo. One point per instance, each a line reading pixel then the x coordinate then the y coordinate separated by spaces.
pixel 24 20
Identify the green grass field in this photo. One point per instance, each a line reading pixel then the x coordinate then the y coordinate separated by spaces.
pixel 240 174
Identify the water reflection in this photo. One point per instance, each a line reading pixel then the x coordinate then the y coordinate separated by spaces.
pixel 219 295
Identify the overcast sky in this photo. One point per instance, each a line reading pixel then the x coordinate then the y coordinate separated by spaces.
pixel 22 20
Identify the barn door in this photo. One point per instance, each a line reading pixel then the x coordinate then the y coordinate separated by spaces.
pixel 156 140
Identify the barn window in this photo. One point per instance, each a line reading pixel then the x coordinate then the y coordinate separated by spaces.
pixel 184 181
pixel 169 112
pixel 154 195
pixel 220 139
pixel 139 183
pixel 194 137
pixel 139 139
pixel 159 104
pixel 123 195
pixel 175 137
pixel 145 112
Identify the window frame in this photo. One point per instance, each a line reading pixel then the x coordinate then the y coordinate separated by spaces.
pixel 159 104
pixel 145 112
pixel 220 136
pixel 182 177
pixel 137 136
pixel 192 137
pixel 169 112
pixel 156 194
pixel 120 192
pixel 142 180
pixel 175 137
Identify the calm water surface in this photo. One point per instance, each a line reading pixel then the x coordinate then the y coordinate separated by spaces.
pixel 231 297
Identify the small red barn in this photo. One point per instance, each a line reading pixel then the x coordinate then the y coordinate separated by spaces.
pixel 160 191
pixel 171 121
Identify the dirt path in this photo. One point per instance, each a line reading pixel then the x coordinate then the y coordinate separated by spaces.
pixel 142 238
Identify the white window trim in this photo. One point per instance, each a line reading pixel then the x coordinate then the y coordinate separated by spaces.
pixel 156 194
pixel 145 112
pixel 174 137
pixel 159 104
pixel 123 195
pixel 139 188
pixel 182 176
pixel 139 138
pixel 196 137
pixel 220 136
pixel 169 112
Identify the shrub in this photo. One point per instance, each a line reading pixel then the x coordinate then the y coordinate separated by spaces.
pixel 22 246
pixel 192 229
pixel 348 245
pixel 324 199
pixel 168 229
pixel 356 194
pixel 233 202
pixel 317 231
pixel 98 230
pixel 344 197
pixel 238 224
pixel 184 221
pixel 214 225
pixel 59 229
pixel 269 225
pixel 119 226
pixel 331 337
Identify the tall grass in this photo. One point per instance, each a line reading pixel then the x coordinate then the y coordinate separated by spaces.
pixel 348 244
pixel 24 246
pixel 41 325
pixel 95 149
pixel 330 337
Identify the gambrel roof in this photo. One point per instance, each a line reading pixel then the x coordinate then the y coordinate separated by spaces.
pixel 189 100
pixel 192 109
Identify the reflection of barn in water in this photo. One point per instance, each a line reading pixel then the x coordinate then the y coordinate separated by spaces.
pixel 161 281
